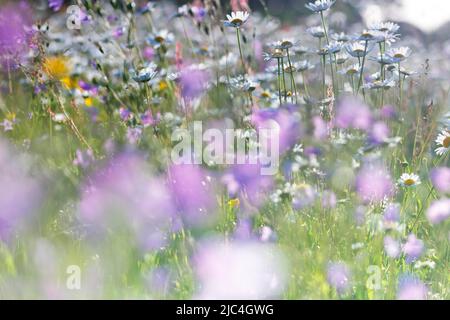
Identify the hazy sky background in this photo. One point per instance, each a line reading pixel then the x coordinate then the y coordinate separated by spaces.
pixel 426 14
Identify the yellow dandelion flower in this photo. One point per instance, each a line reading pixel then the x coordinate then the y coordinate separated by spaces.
pixel 57 67
pixel 70 83
pixel 88 101
pixel 234 203
pixel 163 85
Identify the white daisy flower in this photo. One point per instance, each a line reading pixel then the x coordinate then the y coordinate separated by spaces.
pixel 385 27
pixel 409 180
pixel 236 19
pixel 320 5
pixel 443 142
pixel 399 54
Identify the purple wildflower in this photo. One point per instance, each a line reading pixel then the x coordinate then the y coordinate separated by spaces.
pixel 55 5
pixel 441 179
pixel 411 288
pixel 413 248
pixel 374 184
pixel 353 114
pixel 338 276
pixel 439 211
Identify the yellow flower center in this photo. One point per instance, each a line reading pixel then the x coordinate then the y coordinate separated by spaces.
pixel 409 182
pixel 236 21
pixel 159 39
pixel 446 142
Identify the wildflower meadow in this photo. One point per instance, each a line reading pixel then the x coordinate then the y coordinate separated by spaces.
pixel 220 150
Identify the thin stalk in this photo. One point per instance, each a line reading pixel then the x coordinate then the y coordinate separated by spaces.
pixel 328 43
pixel 284 80
pixel 279 81
pixel 360 83
pixel 292 76
pixel 238 34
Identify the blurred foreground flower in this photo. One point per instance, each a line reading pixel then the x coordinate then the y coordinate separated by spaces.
pixel 439 211
pixel 338 276
pixel 411 288
pixel 20 194
pixel 374 184
pixel 239 270
pixel 125 193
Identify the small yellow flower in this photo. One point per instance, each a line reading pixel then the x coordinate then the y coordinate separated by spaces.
pixel 57 67
pixel 88 101
pixel 70 83
pixel 11 116
pixel 162 85
pixel 234 203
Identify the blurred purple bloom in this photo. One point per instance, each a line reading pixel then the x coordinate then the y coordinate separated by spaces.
pixel 55 5
pixel 20 194
pixel 267 234
pixel 413 248
pixel 391 215
pixel 440 177
pixel 374 184
pixel 239 270
pixel 193 83
pixel 125 193
pixel 320 128
pixel 353 114
pixel 439 211
pixel 411 288
pixel 388 112
pixel 392 247
pixel 84 159
pixel 134 135
pixel 14 19
pixel 148 120
pixel 243 230
pixel 338 276
pixel 288 120
pixel 379 133
pixel 247 182
pixel 194 193
pixel 149 53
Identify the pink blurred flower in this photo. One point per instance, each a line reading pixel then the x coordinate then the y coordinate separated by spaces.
pixel 413 248
pixel 411 288
pixel 439 211
pixel 288 121
pixel 374 184
pixel 338 276
pixel 440 177
pixel 379 133
pixel 352 113
pixel 392 247
pixel 14 20
pixel 239 270
pixel 125 193
pixel 193 190
pixel 20 194
pixel 320 128
pixel 193 83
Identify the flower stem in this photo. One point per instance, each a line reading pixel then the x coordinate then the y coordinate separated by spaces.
pixel 279 81
pixel 360 83
pixel 292 76
pixel 284 80
pixel 238 34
